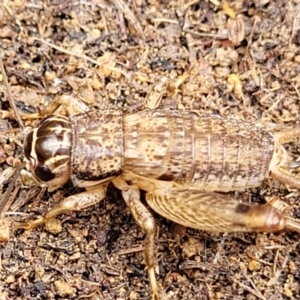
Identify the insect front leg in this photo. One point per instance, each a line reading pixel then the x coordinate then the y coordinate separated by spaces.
pixel 72 203
pixel 145 220
pixel 217 212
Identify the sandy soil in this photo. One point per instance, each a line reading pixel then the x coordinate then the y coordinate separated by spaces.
pixel 236 58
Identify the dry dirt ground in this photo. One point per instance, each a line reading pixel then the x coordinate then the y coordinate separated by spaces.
pixel 237 58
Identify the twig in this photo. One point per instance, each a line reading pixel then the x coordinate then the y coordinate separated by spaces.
pixel 4 202
pixel 129 15
pixel 10 98
pixel 61 49
pixel 131 250
pixel 249 289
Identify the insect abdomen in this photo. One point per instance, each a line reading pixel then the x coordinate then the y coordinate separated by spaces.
pixel 212 152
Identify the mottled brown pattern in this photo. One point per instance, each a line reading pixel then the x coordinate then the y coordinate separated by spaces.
pixel 214 153
pixel 181 159
pixel 210 152
pixel 97 150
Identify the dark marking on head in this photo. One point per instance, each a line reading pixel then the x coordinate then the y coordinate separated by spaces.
pixel 28 144
pixel 43 173
pixel 48 148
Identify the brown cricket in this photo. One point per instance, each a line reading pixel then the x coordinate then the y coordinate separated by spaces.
pixel 184 160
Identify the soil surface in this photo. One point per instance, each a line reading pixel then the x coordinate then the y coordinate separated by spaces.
pixel 231 58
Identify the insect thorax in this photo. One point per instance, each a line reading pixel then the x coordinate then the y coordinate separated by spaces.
pixel 97 151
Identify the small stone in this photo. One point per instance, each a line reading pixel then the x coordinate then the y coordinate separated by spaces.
pixel 10 279
pixel 254 265
pixel 5 227
pixel 63 289
pixel 53 226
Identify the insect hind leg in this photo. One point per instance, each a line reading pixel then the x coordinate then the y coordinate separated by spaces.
pixel 280 164
pixel 216 212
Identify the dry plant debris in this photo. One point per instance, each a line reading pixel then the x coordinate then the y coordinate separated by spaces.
pixel 239 58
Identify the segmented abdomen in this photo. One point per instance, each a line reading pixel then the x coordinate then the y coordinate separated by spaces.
pixel 212 152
